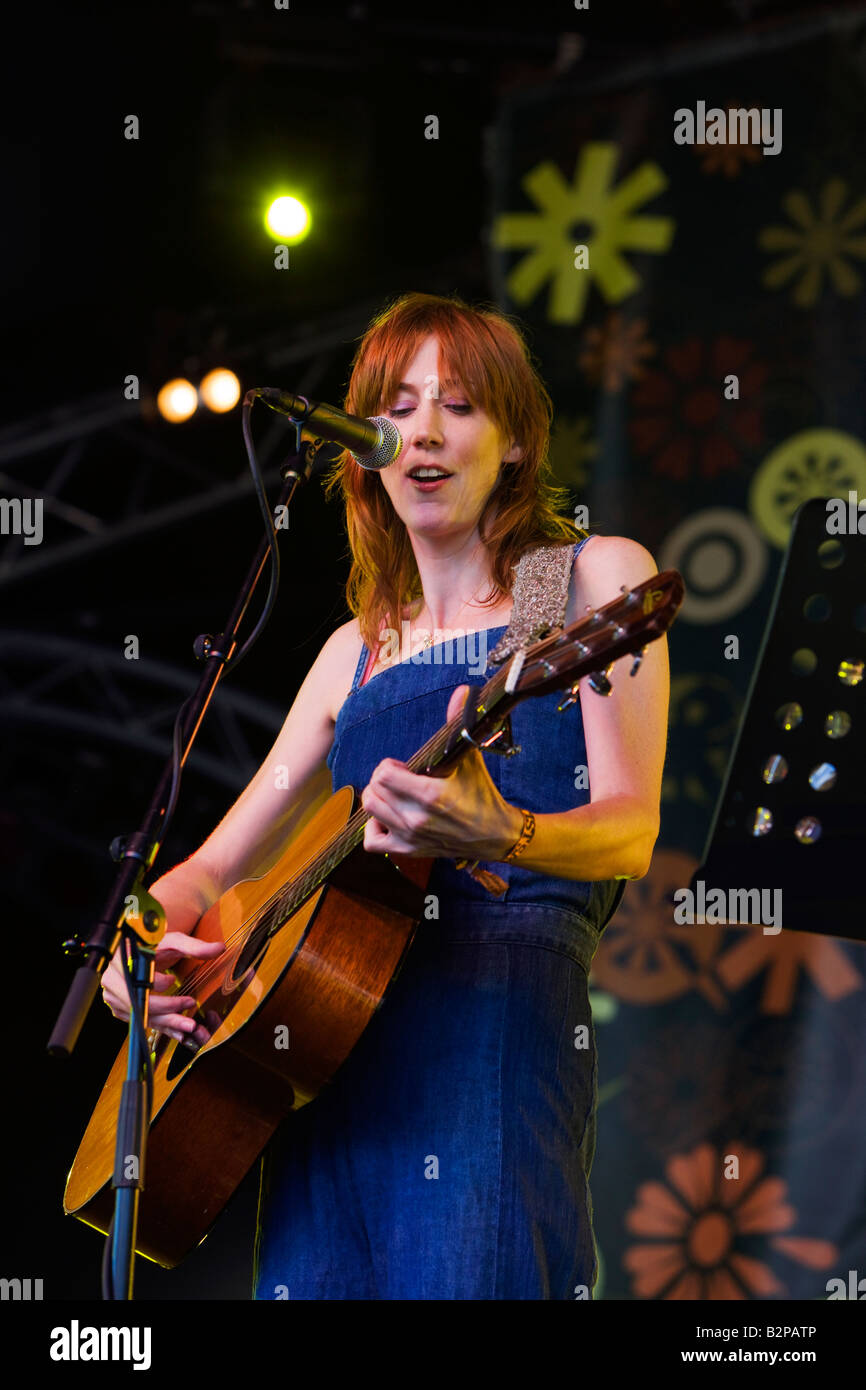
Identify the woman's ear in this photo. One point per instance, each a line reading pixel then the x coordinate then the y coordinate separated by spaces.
pixel 515 453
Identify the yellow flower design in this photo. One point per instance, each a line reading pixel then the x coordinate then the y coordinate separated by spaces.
pixel 818 243
pixel 594 211
pixel 811 463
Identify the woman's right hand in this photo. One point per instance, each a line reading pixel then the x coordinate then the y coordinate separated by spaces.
pixel 167 1014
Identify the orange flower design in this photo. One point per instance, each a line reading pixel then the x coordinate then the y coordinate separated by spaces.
pixel 615 352
pixel 726 159
pixel 644 956
pixel 698 1221
pixel 785 958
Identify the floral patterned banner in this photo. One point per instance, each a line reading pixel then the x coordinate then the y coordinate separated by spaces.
pixel 689 256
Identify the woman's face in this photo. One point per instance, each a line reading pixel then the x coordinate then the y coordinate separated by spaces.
pixel 441 429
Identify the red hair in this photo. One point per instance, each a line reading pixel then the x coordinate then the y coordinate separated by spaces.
pixel 488 355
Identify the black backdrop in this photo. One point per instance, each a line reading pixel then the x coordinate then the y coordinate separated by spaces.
pixel 150 259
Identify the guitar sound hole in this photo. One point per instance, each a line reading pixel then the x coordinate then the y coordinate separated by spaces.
pixel 251 954
pixel 181 1058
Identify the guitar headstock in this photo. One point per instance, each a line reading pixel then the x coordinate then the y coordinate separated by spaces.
pixel 591 644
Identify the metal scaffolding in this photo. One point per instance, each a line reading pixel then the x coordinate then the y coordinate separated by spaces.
pixel 59 445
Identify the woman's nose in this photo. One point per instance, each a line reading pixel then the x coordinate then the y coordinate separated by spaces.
pixel 426 427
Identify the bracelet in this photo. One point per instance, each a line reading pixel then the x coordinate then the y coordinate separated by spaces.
pixel 526 835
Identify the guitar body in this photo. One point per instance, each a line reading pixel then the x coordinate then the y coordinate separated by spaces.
pixel 284 1010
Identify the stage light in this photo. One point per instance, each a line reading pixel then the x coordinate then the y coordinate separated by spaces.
pixel 220 390
pixel 288 219
pixel 177 400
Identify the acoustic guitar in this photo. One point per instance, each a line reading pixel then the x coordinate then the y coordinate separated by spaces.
pixel 311 948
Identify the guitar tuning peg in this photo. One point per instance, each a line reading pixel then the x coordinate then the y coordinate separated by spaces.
pixel 599 682
pixel 573 695
pixel 637 661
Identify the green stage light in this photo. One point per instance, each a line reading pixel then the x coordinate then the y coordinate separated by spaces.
pixel 288 219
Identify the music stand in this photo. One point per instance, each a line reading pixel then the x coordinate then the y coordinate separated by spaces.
pixel 792 811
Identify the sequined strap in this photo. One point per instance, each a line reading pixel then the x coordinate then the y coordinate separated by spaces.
pixel 540 598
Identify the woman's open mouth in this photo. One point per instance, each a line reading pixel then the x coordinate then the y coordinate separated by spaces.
pixel 427 479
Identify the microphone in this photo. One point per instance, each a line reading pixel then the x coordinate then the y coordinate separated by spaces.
pixel 373 443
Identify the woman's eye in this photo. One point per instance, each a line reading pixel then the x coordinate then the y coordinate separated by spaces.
pixel 404 409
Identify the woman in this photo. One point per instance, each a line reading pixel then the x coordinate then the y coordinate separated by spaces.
pixel 450 1157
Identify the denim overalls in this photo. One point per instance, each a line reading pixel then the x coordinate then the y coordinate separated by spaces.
pixel 449 1157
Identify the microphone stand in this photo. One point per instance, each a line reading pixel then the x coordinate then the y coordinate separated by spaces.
pixel 131 913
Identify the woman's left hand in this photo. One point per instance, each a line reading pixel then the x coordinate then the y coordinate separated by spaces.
pixel 460 816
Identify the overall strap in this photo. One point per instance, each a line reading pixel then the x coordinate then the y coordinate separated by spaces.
pixel 540 597
pixel 361 669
